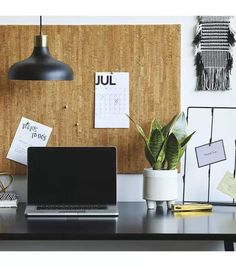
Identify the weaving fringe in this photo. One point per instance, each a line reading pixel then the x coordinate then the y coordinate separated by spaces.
pixel 213 43
pixel 229 62
pixel 199 64
pixel 213 79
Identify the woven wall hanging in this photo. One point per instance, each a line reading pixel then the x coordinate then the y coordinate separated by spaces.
pixel 213 58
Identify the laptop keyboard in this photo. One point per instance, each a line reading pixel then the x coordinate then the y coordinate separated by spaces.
pixel 73 207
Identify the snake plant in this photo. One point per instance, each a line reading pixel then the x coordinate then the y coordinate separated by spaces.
pixel 165 145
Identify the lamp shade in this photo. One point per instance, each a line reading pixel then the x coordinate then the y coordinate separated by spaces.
pixel 40 65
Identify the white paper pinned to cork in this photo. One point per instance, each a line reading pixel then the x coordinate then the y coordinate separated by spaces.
pixel 29 133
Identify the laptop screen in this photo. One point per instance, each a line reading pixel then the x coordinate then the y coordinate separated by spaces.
pixel 71 175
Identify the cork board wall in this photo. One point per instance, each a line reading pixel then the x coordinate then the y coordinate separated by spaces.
pixel 151 55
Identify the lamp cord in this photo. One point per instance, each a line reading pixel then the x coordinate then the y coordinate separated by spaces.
pixel 41 25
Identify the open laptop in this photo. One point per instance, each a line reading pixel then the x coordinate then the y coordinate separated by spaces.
pixel 71 181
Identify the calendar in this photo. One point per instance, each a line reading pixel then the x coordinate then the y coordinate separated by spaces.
pixel 111 99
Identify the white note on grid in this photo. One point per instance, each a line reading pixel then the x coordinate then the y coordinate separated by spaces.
pixel 111 99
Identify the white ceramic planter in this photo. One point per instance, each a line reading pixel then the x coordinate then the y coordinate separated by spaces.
pixel 160 186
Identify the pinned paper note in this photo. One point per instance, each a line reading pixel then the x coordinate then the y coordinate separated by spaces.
pixel 111 100
pixel 29 133
pixel 228 185
pixel 210 153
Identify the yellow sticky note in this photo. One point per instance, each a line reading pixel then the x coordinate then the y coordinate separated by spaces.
pixel 228 185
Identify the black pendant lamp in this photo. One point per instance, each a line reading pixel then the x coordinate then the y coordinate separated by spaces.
pixel 40 65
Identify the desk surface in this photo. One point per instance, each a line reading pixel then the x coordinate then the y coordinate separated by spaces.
pixel 134 223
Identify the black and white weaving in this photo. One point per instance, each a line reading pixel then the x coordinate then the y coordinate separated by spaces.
pixel 213 59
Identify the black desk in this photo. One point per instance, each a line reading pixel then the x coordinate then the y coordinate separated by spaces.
pixel 134 223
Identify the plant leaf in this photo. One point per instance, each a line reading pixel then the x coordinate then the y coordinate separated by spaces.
pixel 155 142
pixel 172 151
pixel 154 125
pixel 181 152
pixel 140 130
pixel 148 152
pixel 180 128
pixel 167 129
pixel 183 145
pixel 157 165
pixel 149 156
pixel 161 156
pixel 186 140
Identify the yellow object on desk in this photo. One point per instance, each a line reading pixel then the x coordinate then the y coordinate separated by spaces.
pixel 192 213
pixel 191 207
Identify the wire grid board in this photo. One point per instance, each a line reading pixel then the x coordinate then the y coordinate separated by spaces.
pixel 151 55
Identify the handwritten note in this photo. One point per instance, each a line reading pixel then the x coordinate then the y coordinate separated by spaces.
pixel 228 185
pixel 210 153
pixel 29 133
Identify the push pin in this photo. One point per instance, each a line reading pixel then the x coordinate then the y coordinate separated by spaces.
pixel 77 124
pixel 66 106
